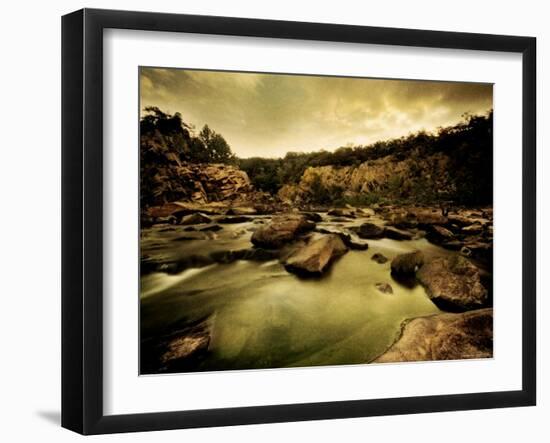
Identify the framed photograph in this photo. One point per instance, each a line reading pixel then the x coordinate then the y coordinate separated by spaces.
pixel 269 221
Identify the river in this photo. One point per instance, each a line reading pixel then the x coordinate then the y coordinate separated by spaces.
pixel 260 316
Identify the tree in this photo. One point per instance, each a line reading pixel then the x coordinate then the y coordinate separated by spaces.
pixel 217 149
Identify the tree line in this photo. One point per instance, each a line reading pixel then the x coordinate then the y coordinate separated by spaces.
pixel 468 144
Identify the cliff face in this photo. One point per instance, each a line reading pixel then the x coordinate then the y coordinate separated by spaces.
pixel 387 175
pixel 192 182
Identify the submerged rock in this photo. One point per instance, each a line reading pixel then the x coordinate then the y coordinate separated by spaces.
pixel 194 219
pixel 453 283
pixel 281 230
pixel 444 337
pixel 379 258
pixel 370 230
pixel 384 288
pixel 315 257
pixel 407 264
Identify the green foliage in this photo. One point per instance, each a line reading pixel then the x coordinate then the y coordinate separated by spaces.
pixel 469 146
pixel 163 133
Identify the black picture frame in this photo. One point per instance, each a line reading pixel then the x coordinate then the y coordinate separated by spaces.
pixel 82 219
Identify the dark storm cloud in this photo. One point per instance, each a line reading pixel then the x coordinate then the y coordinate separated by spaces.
pixel 268 115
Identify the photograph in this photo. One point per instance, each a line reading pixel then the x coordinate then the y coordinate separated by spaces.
pixel 302 220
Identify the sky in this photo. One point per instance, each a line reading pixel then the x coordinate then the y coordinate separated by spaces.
pixel 268 115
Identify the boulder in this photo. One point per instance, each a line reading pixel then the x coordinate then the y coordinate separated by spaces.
pixel 379 258
pixel 439 234
pixel 194 219
pixel 385 288
pixel 316 256
pixel 397 234
pixel 349 240
pixel 443 337
pixel 281 230
pixel 370 230
pixel 407 264
pixel 453 283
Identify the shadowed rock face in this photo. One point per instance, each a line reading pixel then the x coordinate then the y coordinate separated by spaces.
pixel 453 283
pixel 281 230
pixel 379 258
pixel 370 230
pixel 407 264
pixel 444 337
pixel 316 257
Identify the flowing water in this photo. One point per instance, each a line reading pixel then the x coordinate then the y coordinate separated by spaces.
pixel 261 316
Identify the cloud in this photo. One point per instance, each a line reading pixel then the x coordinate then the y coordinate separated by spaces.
pixel 271 114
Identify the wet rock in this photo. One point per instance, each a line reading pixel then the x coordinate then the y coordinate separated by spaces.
pixel 407 264
pixel 194 219
pixel 474 229
pixel 241 210
pixel 443 337
pixel 397 234
pixel 235 219
pixel 355 243
pixel 453 283
pixel 341 212
pixel 370 230
pixel 316 256
pixel 385 288
pixel 281 230
pixel 185 346
pixel 170 219
pixel 349 240
pixel 178 351
pixel 453 245
pixel 439 234
pixel 313 216
pixel 379 258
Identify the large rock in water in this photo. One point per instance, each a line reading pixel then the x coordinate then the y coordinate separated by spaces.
pixel 315 258
pixel 453 283
pixel 370 230
pixel 444 337
pixel 281 230
pixel 407 264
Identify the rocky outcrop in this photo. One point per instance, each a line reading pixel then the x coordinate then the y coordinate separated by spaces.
pixel 315 257
pixel 407 264
pixel 453 283
pixel 281 230
pixel 374 176
pixel 443 337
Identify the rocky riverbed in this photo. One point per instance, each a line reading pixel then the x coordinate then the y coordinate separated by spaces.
pixel 239 287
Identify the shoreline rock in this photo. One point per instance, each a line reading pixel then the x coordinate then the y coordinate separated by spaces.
pixel 453 283
pixel 443 337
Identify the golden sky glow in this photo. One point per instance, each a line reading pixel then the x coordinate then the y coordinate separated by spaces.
pixel 268 115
